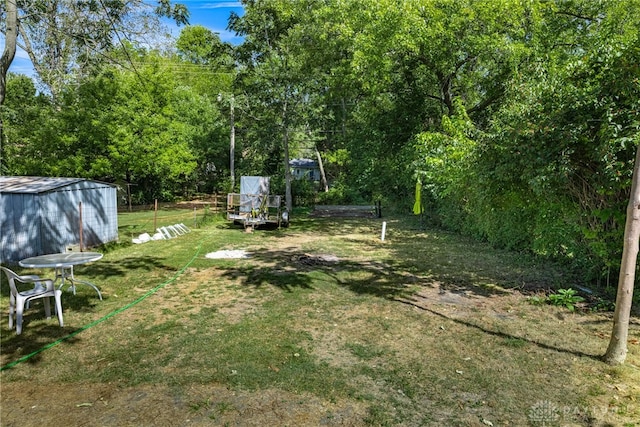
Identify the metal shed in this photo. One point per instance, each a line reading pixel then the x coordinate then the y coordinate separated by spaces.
pixel 43 215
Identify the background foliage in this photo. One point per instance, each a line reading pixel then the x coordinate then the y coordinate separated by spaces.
pixel 519 118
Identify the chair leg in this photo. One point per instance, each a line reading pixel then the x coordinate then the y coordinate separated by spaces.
pixel 19 310
pixel 11 314
pixel 58 299
pixel 12 309
pixel 47 307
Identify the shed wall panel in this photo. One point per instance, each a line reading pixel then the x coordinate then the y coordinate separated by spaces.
pixel 19 226
pixel 39 223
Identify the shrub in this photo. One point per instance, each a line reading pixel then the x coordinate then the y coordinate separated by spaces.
pixel 565 298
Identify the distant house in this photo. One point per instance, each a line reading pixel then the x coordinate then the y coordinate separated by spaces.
pixel 43 215
pixel 305 169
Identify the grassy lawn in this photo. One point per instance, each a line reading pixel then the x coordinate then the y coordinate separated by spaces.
pixel 323 324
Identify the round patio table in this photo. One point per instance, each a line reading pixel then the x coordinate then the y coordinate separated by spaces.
pixel 63 263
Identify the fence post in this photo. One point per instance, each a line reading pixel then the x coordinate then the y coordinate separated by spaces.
pixel 80 220
pixel 155 216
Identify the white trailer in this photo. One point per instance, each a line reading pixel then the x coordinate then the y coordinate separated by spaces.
pixel 254 206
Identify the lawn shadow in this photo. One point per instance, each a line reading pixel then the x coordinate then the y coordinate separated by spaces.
pixel 501 334
pixel 446 263
pixel 272 268
pixel 460 264
pixel 38 334
pixel 108 269
pixel 102 270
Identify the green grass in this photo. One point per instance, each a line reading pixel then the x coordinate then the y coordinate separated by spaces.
pixel 426 328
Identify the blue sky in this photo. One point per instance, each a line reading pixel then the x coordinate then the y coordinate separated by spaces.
pixel 213 14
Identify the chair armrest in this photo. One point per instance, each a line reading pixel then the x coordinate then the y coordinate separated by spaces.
pixel 37 280
pixel 44 286
pixel 29 278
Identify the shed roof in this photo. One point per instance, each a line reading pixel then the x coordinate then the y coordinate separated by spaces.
pixel 303 163
pixel 34 184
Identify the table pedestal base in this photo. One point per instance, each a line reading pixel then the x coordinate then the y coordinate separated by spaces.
pixel 66 273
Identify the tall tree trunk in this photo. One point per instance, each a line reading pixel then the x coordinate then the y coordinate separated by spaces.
pixel 323 177
pixel 617 350
pixel 10 40
pixel 9 52
pixel 232 144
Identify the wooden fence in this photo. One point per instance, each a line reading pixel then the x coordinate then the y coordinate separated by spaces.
pixel 216 203
pixel 148 218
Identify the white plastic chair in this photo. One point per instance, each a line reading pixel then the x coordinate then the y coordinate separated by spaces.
pixel 43 288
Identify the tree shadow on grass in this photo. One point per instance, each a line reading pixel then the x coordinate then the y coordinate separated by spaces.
pixel 273 276
pixel 451 264
pixel 100 270
pixel 290 268
pixel 39 333
pixel 123 267
pixel 501 334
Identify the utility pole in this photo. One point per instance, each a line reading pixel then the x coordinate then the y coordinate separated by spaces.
pixel 232 139
pixel 232 143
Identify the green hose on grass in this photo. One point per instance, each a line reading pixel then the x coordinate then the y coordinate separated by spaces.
pixel 108 316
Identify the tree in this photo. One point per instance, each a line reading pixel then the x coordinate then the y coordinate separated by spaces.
pixel 617 350
pixel 133 127
pixel 8 53
pixel 626 83
pixel 199 45
pixel 27 114
pixel 61 36
pixel 272 75
pixel 553 157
